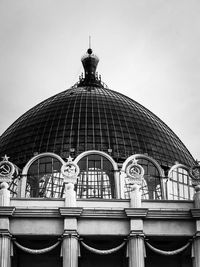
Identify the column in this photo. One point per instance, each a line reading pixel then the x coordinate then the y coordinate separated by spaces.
pixel 70 249
pixel 196 250
pixel 5 248
pixel 136 246
pixel 136 250
pixel 5 236
pixel 196 215
pixel 70 244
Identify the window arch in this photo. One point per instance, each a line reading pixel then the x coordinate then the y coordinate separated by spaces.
pixel 96 179
pixel 152 187
pixel 179 185
pixel 42 176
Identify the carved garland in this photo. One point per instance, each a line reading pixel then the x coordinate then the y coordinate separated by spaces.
pixel 103 252
pixel 36 251
pixel 167 253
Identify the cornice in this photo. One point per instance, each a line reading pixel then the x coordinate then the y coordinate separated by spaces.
pixel 173 214
pixel 7 211
pixel 169 214
pixel 136 212
pixel 36 212
pixel 104 213
pixel 195 213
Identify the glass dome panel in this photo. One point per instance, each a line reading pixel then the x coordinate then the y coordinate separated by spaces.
pixel 92 118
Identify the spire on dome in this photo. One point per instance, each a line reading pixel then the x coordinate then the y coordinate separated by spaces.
pixel 90 77
pixel 90 62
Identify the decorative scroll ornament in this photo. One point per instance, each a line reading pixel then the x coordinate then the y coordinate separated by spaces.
pixel 7 170
pixel 36 251
pixel 103 251
pixel 168 253
pixel 135 173
pixel 195 174
pixel 70 171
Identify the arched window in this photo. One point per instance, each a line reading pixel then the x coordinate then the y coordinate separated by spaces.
pixel 44 178
pixel 96 179
pixel 152 184
pixel 179 185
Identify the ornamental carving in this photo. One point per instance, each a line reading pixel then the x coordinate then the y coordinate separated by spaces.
pixel 70 171
pixel 195 174
pixel 7 170
pixel 134 173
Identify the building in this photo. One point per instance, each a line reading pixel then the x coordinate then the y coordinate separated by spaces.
pixel 94 178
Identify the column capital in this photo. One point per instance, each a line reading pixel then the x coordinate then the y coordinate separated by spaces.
pixel 70 234
pixel 197 235
pixel 5 233
pixel 136 234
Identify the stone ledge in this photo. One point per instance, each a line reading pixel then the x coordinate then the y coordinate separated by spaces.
pixel 7 211
pixel 169 214
pixel 109 213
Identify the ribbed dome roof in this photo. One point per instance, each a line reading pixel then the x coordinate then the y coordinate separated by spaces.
pixel 90 116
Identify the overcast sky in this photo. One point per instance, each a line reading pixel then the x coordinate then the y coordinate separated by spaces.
pixel 149 50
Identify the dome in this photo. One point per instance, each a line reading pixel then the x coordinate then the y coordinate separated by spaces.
pixel 89 116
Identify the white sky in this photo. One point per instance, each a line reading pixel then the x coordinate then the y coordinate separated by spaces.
pixel 149 50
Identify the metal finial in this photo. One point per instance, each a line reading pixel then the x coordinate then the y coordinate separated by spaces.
pixel 89 51
pixel 89 41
